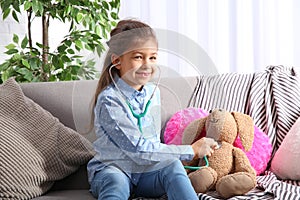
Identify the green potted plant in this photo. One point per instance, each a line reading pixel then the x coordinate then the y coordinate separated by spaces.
pixel 89 22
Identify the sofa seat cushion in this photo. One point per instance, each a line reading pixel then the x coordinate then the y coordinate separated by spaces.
pixel 35 148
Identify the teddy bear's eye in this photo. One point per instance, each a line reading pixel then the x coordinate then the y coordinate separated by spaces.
pixel 210 111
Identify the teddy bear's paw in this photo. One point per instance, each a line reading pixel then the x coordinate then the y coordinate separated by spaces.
pixel 235 184
pixel 203 179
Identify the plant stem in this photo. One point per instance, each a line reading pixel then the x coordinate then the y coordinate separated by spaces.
pixel 29 14
pixel 45 21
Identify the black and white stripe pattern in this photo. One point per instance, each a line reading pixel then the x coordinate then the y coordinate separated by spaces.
pixel 272 99
pixel 275 102
pixel 226 91
pixel 279 189
pixel 255 194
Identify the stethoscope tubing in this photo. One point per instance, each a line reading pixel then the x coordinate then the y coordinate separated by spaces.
pixel 199 167
pixel 135 115
pixel 142 114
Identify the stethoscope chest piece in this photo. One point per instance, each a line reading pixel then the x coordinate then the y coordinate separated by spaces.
pixel 141 115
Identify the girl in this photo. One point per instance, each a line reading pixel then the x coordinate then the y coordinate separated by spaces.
pixel 130 159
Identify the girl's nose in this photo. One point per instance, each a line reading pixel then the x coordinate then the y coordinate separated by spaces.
pixel 146 61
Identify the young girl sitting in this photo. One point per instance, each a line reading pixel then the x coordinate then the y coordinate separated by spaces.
pixel 130 159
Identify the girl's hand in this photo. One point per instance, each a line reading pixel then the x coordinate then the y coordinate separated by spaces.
pixel 204 147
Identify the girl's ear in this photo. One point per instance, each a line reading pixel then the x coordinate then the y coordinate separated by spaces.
pixel 115 60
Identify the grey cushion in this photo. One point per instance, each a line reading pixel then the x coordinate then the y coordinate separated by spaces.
pixel 35 148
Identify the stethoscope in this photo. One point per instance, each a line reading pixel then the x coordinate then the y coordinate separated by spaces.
pixel 135 115
pixel 142 114
pixel 199 167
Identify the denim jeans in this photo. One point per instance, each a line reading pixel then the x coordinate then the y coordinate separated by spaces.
pixel 111 183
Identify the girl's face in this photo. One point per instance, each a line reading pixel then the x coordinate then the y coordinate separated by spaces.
pixel 138 66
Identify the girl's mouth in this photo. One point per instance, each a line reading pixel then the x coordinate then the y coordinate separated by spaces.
pixel 143 74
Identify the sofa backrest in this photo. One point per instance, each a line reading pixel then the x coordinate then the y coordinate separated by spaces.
pixel 70 101
pixel 263 95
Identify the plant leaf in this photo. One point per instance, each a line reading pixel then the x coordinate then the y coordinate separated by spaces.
pixel 5 76
pixel 27 5
pixel 24 42
pixel 35 6
pixel 5 13
pixel 66 58
pixel 4 66
pixel 105 5
pixel 57 63
pixel 61 49
pixel 34 63
pixel 14 14
pixel 25 63
pixel 114 15
pixel 71 51
pixel 16 38
pixel 68 43
pixel 29 76
pixel 11 51
pixel 16 6
pixel 23 71
pixel 79 17
pixel 10 46
pixel 78 44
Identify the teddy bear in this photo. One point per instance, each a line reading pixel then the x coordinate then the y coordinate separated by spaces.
pixel 229 171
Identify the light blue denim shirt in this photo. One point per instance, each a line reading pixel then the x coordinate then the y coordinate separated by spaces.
pixel 119 140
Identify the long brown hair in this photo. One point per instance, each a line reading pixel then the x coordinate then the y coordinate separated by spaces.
pixel 124 37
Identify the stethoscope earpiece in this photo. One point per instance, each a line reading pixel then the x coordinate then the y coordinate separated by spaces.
pixel 113 65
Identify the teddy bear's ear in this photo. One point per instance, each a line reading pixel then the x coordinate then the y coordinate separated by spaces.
pixel 245 128
pixel 193 130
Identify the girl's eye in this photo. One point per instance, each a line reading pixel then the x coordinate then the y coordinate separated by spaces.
pixel 138 57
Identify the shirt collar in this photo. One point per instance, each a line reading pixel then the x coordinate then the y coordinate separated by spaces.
pixel 128 91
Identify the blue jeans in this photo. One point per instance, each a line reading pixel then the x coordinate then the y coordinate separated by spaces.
pixel 111 183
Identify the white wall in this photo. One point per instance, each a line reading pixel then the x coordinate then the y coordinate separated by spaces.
pixel 7 28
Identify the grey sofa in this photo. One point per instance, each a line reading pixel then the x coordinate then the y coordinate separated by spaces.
pixel 70 102
pixel 265 95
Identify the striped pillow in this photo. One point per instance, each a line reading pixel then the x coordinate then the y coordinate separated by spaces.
pixel 35 148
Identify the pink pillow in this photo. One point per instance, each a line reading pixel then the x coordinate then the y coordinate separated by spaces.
pixel 259 155
pixel 179 121
pixel 285 163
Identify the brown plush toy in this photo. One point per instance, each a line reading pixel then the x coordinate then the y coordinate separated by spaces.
pixel 229 172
